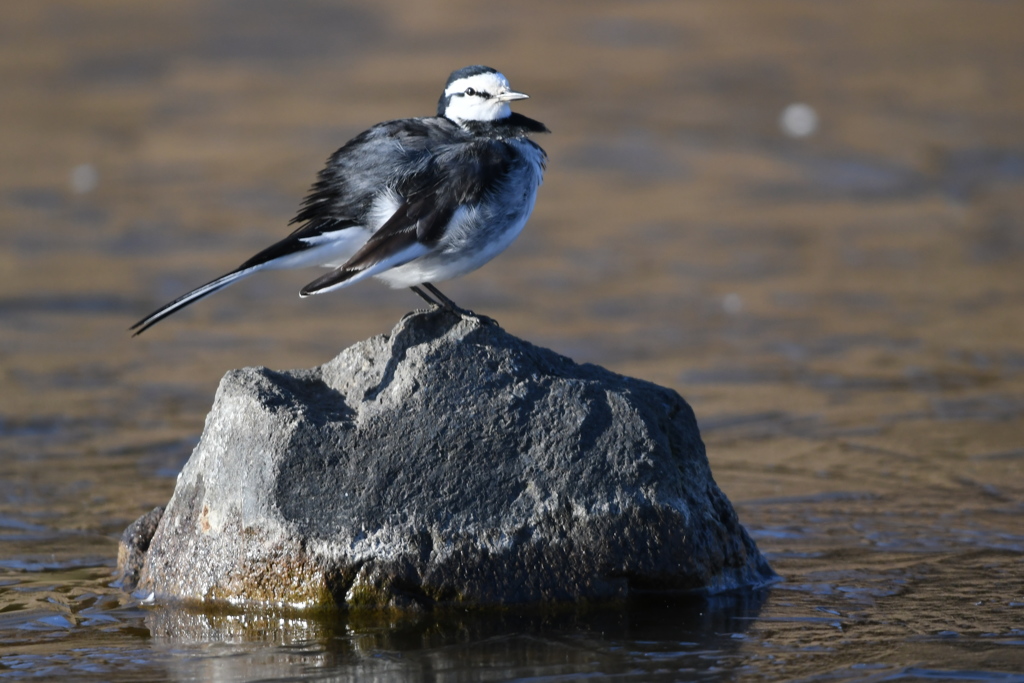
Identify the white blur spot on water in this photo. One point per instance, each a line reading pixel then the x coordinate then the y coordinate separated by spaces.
pixel 84 179
pixel 732 303
pixel 798 120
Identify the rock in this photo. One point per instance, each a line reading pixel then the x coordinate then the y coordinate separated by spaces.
pixel 446 463
pixel 131 551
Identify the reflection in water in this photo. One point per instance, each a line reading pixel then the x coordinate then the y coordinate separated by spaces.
pixel 841 309
pixel 649 639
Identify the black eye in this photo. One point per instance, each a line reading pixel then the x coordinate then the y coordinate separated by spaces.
pixel 470 91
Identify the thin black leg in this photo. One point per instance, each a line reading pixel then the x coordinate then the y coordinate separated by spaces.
pixel 445 301
pixel 438 299
pixel 423 295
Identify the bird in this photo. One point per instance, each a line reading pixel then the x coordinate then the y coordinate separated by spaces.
pixel 412 201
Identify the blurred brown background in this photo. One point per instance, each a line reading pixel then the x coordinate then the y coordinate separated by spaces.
pixel 836 290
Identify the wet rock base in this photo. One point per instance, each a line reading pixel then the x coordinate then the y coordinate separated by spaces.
pixel 447 463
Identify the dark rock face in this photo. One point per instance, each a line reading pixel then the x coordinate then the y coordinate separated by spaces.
pixel 131 551
pixel 446 463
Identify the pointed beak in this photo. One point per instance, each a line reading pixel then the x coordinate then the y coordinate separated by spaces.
pixel 510 96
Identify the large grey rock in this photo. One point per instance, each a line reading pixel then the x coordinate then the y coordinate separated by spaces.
pixel 446 463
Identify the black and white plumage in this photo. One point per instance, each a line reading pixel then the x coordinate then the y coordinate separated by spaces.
pixel 412 201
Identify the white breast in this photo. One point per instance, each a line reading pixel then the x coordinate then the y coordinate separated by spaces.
pixel 476 234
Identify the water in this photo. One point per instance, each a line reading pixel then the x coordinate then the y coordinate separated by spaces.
pixel 842 308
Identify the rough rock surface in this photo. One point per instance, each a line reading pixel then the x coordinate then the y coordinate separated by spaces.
pixel 131 551
pixel 446 463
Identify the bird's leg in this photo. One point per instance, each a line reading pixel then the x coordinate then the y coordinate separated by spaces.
pixel 423 295
pixel 446 302
pixel 442 301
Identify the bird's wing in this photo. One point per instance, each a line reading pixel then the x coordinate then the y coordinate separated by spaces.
pixel 334 214
pixel 411 231
pixel 353 178
pixel 453 175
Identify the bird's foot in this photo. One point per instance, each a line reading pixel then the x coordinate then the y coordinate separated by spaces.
pixel 438 300
pixel 467 314
pixel 476 317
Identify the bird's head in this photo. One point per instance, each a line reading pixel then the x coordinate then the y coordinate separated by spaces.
pixel 477 93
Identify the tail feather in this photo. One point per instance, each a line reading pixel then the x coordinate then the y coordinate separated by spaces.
pixel 193 296
pixel 346 275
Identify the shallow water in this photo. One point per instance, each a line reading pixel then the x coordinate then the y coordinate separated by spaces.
pixel 845 311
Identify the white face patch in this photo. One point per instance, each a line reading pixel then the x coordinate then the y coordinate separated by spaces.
pixel 483 97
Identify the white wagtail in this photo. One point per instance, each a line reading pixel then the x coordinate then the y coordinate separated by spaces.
pixel 412 201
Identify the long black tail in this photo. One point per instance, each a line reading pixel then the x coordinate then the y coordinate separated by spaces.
pixel 195 295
